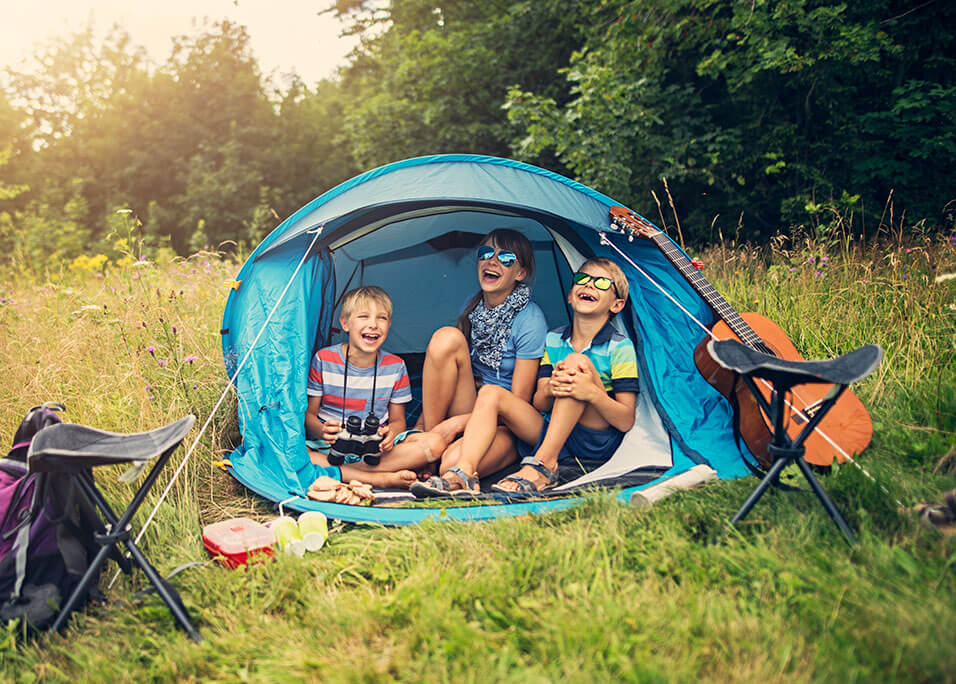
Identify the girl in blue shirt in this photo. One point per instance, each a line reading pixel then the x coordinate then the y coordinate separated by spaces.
pixel 499 340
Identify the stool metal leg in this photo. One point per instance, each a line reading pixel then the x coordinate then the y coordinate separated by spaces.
pixel 764 485
pixel 826 501
pixel 119 532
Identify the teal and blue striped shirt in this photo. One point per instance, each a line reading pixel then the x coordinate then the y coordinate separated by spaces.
pixel 611 353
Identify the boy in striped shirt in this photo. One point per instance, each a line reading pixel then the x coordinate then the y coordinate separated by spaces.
pixel 584 401
pixel 359 379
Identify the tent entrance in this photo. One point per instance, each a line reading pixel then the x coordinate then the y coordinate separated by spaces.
pixel 424 258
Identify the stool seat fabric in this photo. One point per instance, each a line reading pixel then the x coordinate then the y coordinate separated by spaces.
pixel 67 447
pixel 843 370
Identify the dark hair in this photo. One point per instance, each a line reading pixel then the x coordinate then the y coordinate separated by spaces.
pixel 513 241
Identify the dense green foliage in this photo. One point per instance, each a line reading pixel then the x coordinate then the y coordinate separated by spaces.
pixel 767 114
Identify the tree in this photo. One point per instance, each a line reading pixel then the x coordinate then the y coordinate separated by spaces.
pixel 764 108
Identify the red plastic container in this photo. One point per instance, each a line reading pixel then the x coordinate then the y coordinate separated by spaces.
pixel 239 541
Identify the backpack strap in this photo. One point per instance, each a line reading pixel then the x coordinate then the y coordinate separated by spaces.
pixel 20 548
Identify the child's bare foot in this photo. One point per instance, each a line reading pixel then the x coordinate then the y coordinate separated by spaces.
pixel 401 479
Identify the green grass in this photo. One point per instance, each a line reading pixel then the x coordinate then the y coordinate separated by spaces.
pixel 601 592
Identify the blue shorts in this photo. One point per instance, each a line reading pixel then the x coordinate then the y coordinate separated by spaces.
pixel 583 443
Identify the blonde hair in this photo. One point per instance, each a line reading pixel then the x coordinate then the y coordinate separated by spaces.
pixel 353 298
pixel 617 275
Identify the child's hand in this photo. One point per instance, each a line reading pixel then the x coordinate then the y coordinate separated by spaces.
pixel 576 382
pixel 331 430
pixel 388 439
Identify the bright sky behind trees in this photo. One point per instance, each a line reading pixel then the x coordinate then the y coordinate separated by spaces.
pixel 286 35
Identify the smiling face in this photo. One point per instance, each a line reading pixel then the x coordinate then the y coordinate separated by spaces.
pixel 367 325
pixel 497 280
pixel 588 300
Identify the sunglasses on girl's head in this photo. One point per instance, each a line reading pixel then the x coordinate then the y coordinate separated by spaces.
pixel 505 258
pixel 600 282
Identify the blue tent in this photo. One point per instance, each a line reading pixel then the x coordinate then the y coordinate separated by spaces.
pixel 411 227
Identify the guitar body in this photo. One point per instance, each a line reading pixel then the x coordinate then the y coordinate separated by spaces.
pixel 847 424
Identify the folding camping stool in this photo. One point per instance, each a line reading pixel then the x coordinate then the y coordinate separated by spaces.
pixel 74 450
pixel 783 376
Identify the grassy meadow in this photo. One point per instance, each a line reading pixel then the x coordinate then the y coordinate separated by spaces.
pixel 601 592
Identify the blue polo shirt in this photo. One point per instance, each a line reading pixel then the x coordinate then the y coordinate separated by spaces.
pixel 611 353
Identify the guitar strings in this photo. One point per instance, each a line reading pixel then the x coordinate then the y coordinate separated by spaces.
pixel 794 409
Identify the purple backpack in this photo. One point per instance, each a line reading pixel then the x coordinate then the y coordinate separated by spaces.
pixel 46 531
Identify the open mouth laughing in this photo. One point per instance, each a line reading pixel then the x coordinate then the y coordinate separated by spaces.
pixel 490 276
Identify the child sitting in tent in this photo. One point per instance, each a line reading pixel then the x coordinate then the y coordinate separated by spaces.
pixel 587 387
pixel 498 340
pixel 357 382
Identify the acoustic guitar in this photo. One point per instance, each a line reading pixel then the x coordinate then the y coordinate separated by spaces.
pixel 846 429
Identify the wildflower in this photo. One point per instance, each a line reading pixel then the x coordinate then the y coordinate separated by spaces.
pixel 793 268
pixel 174 330
pixel 194 386
pixel 191 358
pixel 824 259
pixel 818 274
pixel 149 388
pixel 811 260
pixel 162 363
pixel 151 349
pixel 908 250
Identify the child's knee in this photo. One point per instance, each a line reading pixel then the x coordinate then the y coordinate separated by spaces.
pixel 577 360
pixel 490 394
pixel 436 445
pixel 446 341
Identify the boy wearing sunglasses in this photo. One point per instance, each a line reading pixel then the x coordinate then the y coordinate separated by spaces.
pixel 587 389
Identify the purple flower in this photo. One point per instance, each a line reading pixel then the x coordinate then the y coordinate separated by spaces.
pixel 151 349
pixel 194 387
pixel 818 274
pixel 824 258
pixel 150 397
pixel 908 250
pixel 191 358
pixel 811 260
pixel 162 363
pixel 149 388
pixel 174 330
pixel 793 268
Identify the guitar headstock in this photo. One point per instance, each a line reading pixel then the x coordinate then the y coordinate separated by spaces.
pixel 629 223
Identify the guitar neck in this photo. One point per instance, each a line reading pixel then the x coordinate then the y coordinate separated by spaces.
pixel 714 299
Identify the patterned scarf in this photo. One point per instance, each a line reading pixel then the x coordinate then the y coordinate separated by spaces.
pixel 490 327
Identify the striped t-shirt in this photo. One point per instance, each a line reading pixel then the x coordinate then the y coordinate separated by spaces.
pixel 611 353
pixel 327 380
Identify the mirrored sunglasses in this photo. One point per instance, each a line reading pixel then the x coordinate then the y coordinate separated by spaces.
pixel 600 282
pixel 505 258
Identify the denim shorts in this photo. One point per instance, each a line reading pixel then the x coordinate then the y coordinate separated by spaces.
pixel 583 443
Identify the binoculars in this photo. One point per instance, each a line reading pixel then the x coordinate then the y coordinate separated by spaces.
pixel 358 439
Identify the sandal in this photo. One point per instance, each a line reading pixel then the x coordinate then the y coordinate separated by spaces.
pixel 437 487
pixel 526 486
pixel 471 487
